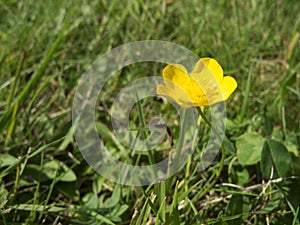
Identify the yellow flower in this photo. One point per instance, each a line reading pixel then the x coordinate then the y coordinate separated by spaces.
pixel 205 85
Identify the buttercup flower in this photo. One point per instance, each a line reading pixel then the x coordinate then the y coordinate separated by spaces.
pixel 205 85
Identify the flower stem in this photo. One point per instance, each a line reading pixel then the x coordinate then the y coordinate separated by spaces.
pixel 204 117
pixel 217 173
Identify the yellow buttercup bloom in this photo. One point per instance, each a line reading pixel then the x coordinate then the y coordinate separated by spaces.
pixel 205 85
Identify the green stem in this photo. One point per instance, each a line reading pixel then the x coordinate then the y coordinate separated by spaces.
pixel 204 117
pixel 215 177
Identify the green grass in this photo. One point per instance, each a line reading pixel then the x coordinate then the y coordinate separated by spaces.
pixel 46 46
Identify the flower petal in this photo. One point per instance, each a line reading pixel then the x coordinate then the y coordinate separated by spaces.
pixel 228 85
pixel 176 73
pixel 166 92
pixel 206 85
pixel 175 94
pixel 207 69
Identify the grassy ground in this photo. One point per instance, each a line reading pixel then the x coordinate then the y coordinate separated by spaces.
pixel 45 47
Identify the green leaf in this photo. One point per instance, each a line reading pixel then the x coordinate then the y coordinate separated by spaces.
pixel 53 169
pixel 7 160
pixel 118 211
pixel 101 219
pixel 290 190
pixel 91 201
pixel 238 206
pixel 104 132
pixel 66 174
pixel 275 155
pixel 292 147
pixel 114 199
pixel 229 145
pixel 249 147
pixel 68 189
pixel 239 175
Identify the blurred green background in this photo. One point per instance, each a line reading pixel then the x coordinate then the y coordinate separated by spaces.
pixel 46 46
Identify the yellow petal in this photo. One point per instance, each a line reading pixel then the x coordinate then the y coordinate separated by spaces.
pixel 201 101
pixel 176 94
pixel 228 85
pixel 206 85
pixel 215 68
pixel 209 70
pixel 166 92
pixel 176 73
